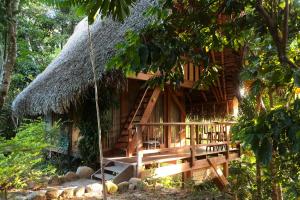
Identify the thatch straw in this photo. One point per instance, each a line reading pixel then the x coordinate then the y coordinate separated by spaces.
pixel 70 74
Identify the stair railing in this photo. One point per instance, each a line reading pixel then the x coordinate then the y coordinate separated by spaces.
pixel 129 129
pixel 130 124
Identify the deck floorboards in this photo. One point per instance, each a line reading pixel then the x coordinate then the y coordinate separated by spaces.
pixel 168 156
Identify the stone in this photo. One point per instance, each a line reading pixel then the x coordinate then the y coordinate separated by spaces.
pixel 62 179
pixel 123 187
pixel 54 181
pixel 141 186
pixel 95 187
pixel 53 193
pixel 93 195
pixel 79 191
pixel 158 186
pixel 135 181
pixel 138 183
pixel 38 195
pixel 67 193
pixel 71 176
pixel 20 198
pixel 111 187
pixel 138 196
pixel 131 187
pixel 30 185
pixel 84 172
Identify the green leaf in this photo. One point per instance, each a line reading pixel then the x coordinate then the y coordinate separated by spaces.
pixel 256 87
pixel 265 151
pixel 297 78
pixel 144 54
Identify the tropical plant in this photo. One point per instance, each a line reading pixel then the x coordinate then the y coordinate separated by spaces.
pixel 22 158
pixel 118 9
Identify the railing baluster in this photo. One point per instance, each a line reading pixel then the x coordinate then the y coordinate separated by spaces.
pixel 193 158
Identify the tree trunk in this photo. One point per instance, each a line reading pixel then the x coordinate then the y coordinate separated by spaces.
pixel 258 180
pixel 10 58
pixel 92 58
pixel 280 41
pixel 276 188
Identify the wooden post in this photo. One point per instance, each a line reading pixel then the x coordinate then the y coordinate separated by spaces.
pixel 169 118
pixel 129 151
pixel 226 169
pixel 165 128
pixel 139 152
pixel 227 142
pixel 192 135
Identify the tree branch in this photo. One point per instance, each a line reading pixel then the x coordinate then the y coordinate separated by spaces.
pixel 285 24
pixel 280 41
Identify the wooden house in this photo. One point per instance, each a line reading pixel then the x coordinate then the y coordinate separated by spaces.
pixel 155 132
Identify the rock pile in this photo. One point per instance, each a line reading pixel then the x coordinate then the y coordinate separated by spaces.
pixel 79 185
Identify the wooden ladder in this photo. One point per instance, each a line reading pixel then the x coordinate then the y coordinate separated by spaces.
pixel 140 113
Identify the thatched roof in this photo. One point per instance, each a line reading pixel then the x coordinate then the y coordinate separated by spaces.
pixel 70 74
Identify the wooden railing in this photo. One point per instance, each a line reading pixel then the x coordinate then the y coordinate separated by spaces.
pixel 195 138
pixel 192 72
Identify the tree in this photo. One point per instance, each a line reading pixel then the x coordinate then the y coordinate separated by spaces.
pixel 42 32
pixel 22 156
pixel 9 32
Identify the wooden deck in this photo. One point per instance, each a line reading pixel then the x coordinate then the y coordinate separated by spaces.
pixel 169 156
pixel 197 146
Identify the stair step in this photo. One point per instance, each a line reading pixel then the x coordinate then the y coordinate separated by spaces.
pixel 107 177
pixel 115 169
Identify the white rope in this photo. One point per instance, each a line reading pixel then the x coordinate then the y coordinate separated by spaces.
pixel 92 58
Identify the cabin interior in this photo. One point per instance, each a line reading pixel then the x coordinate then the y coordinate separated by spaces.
pixel 173 130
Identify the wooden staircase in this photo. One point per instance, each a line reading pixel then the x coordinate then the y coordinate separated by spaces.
pixel 140 113
pixel 115 171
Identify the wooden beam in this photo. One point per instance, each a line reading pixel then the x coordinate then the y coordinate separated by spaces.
pixel 191 72
pixel 165 117
pixel 204 96
pixel 219 174
pixel 218 80
pixel 193 149
pixel 213 89
pixel 140 76
pixel 197 73
pixel 139 152
pixel 223 76
pixel 169 118
pixel 183 167
pixel 186 71
pixel 226 169
pixel 151 104
pixel 146 115
pixel 178 102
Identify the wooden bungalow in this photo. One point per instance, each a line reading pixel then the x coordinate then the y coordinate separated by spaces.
pixel 155 132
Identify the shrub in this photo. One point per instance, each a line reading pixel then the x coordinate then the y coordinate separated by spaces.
pixel 21 157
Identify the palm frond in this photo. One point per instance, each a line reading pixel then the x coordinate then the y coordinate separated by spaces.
pixel 118 9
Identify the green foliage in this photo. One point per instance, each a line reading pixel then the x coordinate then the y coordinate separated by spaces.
pixel 173 38
pixel 276 130
pixel 42 31
pixel 88 142
pixel 21 158
pixel 7 127
pixel 118 9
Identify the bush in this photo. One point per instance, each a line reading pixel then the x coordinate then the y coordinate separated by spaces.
pixel 21 157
